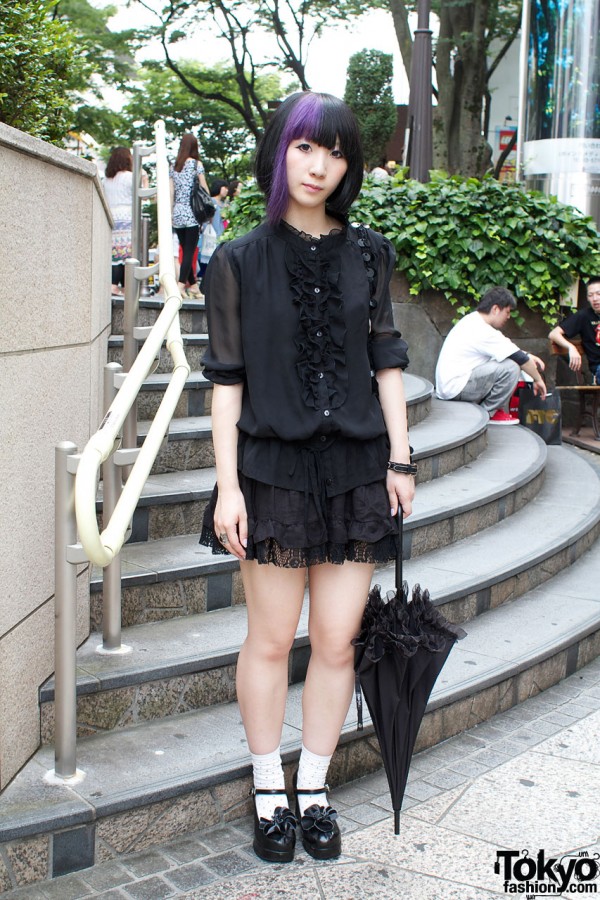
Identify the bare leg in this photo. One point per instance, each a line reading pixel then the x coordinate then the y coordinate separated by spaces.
pixel 274 600
pixel 338 595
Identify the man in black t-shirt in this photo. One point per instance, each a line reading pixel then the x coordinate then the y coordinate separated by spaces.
pixel 585 324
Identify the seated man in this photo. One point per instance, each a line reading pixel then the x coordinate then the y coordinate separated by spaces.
pixel 585 323
pixel 479 364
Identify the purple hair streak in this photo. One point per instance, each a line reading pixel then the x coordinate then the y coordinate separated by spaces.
pixel 305 121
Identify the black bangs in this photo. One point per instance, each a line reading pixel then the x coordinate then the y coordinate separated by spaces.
pixel 336 123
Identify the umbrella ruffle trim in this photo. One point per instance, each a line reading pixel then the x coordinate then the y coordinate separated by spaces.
pixel 433 629
pixel 385 627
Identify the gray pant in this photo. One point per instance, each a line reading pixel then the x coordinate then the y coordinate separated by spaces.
pixel 491 385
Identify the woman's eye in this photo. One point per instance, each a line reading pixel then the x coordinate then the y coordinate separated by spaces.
pixel 304 146
pixel 337 153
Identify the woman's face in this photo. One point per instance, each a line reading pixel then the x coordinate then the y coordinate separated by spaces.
pixel 313 173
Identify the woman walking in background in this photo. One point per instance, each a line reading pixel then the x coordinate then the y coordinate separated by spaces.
pixel 187 167
pixel 118 187
pixel 299 315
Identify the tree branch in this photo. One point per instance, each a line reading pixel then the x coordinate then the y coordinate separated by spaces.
pixel 503 50
pixel 505 153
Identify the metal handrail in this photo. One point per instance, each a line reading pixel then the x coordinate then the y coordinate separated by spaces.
pixel 101 548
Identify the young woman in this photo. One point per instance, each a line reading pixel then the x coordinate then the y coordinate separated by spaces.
pixel 303 434
pixel 187 167
pixel 118 187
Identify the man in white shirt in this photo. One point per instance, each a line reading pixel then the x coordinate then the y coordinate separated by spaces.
pixel 479 364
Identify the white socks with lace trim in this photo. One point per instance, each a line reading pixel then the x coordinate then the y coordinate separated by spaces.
pixel 312 773
pixel 268 773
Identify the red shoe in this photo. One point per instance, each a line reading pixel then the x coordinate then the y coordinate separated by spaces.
pixel 501 417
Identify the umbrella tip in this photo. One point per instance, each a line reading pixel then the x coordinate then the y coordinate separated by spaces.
pixel 396 821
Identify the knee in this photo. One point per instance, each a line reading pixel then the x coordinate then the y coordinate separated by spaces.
pixel 510 370
pixel 334 653
pixel 270 648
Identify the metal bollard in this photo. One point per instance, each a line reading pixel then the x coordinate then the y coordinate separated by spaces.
pixel 65 613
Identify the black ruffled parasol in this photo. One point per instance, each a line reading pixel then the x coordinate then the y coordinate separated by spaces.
pixel 400 651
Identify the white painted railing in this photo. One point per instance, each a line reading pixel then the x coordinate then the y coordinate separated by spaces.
pixel 101 548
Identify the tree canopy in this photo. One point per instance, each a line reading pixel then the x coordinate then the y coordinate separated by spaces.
pixel 39 62
pixel 369 95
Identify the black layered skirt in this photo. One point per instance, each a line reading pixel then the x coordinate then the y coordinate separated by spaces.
pixel 295 529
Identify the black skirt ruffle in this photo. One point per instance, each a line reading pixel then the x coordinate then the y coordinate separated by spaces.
pixel 287 528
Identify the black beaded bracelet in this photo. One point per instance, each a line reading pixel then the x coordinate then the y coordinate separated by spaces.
pixel 403 468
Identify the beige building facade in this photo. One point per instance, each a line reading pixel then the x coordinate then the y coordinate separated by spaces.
pixel 55 240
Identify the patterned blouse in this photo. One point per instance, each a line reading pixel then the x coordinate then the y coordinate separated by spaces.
pixel 183 216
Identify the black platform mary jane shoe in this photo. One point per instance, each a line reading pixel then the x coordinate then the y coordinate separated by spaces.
pixel 274 838
pixel 321 836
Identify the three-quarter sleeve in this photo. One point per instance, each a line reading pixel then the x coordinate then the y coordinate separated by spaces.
pixel 223 361
pixel 388 349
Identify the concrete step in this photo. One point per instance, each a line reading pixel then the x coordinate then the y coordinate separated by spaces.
pixel 196 399
pixel 173 502
pixel 176 576
pixel 189 444
pixel 194 346
pixel 192 315
pixel 183 664
pixel 148 782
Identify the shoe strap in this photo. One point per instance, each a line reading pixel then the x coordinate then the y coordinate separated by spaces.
pixel 259 791
pixel 321 790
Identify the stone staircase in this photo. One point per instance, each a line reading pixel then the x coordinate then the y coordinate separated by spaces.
pixel 503 534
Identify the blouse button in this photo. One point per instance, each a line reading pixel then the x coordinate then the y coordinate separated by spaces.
pixel 329 481
pixel 326 413
pixel 317 290
pixel 320 374
pixel 313 248
pixel 319 334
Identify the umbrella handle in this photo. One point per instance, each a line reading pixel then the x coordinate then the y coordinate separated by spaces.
pixel 399 576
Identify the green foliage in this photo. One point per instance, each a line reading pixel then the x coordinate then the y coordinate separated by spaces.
pixel 463 236
pixel 369 95
pixel 38 60
pixel 246 212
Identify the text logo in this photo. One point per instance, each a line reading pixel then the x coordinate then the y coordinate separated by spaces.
pixel 541 876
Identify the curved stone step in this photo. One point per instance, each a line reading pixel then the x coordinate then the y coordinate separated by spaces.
pixel 192 315
pixel 173 503
pixel 176 576
pixel 195 400
pixel 150 777
pixel 194 346
pixel 180 664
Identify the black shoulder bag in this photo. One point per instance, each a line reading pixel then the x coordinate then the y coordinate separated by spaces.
pixel 203 208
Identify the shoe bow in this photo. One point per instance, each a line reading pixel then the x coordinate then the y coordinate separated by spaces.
pixel 319 817
pixel 282 821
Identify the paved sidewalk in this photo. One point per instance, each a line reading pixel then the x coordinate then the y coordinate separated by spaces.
pixel 526 781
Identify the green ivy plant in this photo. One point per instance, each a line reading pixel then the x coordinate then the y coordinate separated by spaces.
pixel 462 236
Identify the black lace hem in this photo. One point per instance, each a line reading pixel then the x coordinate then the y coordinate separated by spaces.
pixel 270 551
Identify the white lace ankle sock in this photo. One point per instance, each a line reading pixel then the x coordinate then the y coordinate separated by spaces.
pixel 268 773
pixel 312 773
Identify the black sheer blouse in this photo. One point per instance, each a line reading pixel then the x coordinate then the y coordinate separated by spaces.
pixel 291 317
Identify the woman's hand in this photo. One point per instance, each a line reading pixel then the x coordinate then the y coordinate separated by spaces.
pixel 231 522
pixel 401 491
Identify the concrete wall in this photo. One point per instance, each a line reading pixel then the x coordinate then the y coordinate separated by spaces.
pixel 55 239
